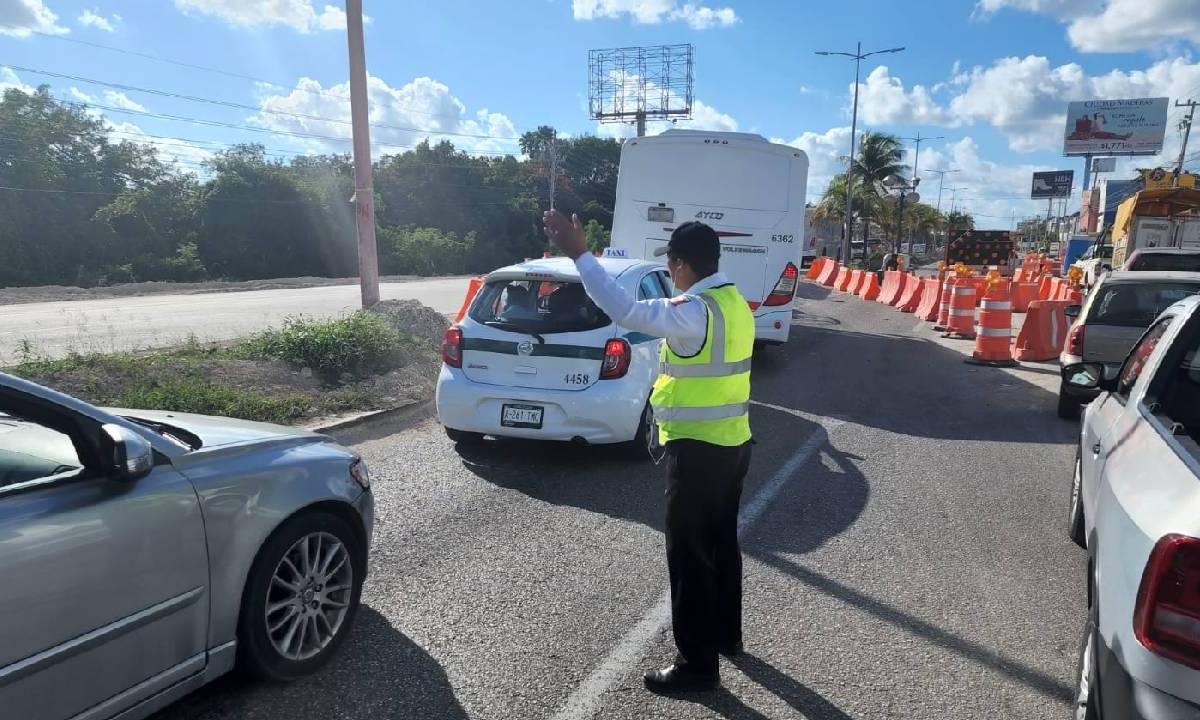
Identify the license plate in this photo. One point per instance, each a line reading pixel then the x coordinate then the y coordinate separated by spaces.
pixel 521 416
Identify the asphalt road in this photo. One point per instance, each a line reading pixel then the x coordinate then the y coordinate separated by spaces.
pixel 133 323
pixel 903 533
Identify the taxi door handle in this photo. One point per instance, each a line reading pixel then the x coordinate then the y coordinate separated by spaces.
pixel 1097 449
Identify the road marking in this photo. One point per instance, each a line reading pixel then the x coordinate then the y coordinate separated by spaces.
pixel 584 701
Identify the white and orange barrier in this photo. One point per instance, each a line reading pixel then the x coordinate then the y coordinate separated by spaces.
pixel 993 331
pixel 960 321
pixel 910 293
pixel 843 279
pixel 869 288
pixel 931 298
pixel 1044 331
pixel 829 273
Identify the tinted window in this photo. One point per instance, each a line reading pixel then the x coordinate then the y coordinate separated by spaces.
pixel 1135 304
pixel 29 451
pixel 1136 362
pixel 1166 261
pixel 541 306
pixel 1179 397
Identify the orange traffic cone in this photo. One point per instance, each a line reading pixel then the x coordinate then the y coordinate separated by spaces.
pixel 944 304
pixel 961 319
pixel 994 332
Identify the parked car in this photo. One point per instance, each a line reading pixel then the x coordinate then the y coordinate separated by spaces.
pixel 1163 258
pixel 143 553
pixel 1135 507
pixel 1113 316
pixel 535 358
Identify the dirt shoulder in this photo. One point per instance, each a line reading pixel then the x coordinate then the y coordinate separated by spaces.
pixel 57 293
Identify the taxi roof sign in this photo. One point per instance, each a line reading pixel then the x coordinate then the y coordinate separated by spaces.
pixel 612 252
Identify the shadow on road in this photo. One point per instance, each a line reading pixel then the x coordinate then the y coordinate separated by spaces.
pixel 1035 679
pixel 379 674
pixel 802 698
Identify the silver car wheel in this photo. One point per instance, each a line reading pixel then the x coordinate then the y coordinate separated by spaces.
pixel 1083 692
pixel 1076 488
pixel 309 596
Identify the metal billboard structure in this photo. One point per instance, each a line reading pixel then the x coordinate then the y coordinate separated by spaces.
pixel 636 84
pixel 1052 184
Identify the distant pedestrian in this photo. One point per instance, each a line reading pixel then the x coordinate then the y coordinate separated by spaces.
pixel 701 404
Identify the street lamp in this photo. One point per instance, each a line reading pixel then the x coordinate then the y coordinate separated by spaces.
pixel 941 179
pixel 904 190
pixel 858 56
pixel 918 140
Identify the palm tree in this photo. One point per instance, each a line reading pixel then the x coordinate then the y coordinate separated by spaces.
pixel 879 158
pixel 959 222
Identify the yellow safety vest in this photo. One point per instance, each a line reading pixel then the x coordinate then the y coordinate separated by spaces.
pixel 707 396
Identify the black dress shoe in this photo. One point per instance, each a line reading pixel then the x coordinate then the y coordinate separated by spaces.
pixel 734 650
pixel 678 679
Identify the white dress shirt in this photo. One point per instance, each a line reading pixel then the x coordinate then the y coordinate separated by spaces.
pixel 682 320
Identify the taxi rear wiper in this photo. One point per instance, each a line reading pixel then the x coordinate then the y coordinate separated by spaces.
pixel 514 327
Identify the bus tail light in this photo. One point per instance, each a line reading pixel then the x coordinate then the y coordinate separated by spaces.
pixel 785 288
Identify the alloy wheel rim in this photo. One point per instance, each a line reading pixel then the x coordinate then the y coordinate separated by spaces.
pixel 1076 488
pixel 309 596
pixel 1084 691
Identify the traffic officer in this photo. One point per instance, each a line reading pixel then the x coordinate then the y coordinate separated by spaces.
pixel 701 404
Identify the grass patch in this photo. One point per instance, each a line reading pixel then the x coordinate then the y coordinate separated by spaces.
pixel 357 345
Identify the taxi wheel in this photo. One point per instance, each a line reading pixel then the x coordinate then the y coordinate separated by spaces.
pixel 462 437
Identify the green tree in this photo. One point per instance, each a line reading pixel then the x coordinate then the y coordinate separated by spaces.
pixel 958 222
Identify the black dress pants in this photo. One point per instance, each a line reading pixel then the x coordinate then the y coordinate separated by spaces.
pixel 704 487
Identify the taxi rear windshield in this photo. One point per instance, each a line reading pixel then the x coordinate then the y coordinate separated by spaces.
pixel 537 306
pixel 1136 304
pixel 1166 261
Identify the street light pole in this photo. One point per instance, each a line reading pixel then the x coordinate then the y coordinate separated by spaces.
pixel 917 157
pixel 364 191
pixel 858 56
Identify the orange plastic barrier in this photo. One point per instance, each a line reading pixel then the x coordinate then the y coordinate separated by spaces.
pixel 472 290
pixel 829 272
pixel 1072 295
pixel 910 293
pixel 993 333
pixel 1044 287
pixel 843 279
pixel 910 297
pixel 961 318
pixel 856 280
pixel 1056 289
pixel 931 299
pixel 1044 332
pixel 943 316
pixel 1023 293
pixel 815 269
pixel 889 291
pixel 869 289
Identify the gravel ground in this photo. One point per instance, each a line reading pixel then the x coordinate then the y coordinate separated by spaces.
pixel 914 566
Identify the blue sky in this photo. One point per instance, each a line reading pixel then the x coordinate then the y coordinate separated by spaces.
pixel 992 77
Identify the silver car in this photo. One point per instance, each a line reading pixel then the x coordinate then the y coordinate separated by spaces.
pixel 1112 318
pixel 143 554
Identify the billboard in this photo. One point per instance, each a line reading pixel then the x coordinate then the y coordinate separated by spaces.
pixel 1104 164
pixel 1115 127
pixel 1052 184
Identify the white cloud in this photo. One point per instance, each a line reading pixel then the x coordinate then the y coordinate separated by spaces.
pixel 825 152
pixel 169 149
pixel 1025 99
pixel 653 12
pixel 1115 25
pixel 21 18
pixel 81 96
pixel 422 109
pixel 10 81
pixel 300 15
pixel 121 100
pixel 704 117
pixel 93 19
pixel 883 100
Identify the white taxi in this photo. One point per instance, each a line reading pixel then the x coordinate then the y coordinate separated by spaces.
pixel 535 358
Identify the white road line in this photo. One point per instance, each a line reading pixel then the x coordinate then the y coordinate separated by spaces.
pixel 585 701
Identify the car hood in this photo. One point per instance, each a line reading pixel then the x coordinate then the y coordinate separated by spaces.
pixel 220 431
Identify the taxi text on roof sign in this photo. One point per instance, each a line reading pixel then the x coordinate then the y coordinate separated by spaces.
pixel 612 252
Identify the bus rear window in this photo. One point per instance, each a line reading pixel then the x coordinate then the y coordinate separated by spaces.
pixel 538 306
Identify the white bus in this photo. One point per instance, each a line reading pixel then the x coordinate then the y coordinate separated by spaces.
pixel 749 190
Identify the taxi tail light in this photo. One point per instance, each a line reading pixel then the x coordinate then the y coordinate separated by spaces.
pixel 615 363
pixel 785 288
pixel 1075 341
pixel 1166 618
pixel 452 347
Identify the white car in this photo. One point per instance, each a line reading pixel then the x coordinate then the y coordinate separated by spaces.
pixel 535 358
pixel 1135 506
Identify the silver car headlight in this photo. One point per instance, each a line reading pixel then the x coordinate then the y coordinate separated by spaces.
pixel 360 473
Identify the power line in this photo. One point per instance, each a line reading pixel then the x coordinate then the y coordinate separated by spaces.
pixel 242 106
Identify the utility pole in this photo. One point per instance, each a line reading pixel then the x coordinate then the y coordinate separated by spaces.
pixel 858 56
pixel 641 123
pixel 941 179
pixel 1187 130
pixel 364 190
pixel 917 157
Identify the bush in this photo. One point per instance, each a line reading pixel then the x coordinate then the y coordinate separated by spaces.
pixel 198 395
pixel 423 251
pixel 360 344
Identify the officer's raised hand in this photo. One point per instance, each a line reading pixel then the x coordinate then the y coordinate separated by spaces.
pixel 566 233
